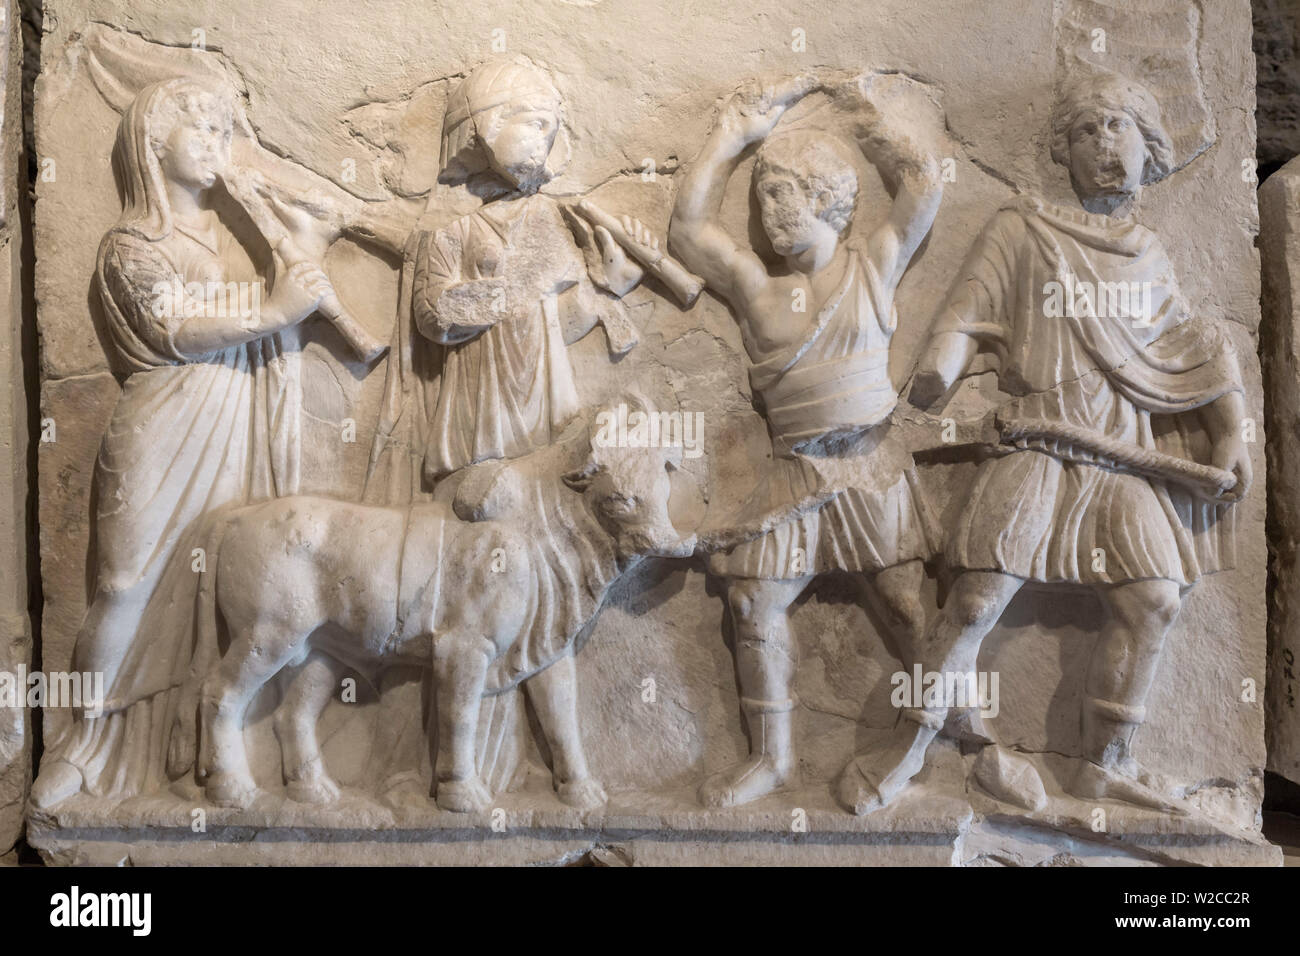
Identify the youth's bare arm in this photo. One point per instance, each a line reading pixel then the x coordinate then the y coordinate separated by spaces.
pixel 910 174
pixel 695 231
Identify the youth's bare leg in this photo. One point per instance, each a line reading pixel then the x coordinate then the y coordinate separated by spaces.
pixel 765 663
pixel 898 590
pixel 951 644
pixel 1120 673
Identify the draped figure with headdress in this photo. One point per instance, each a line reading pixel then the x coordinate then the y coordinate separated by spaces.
pixel 479 368
pixel 207 418
pixel 490 303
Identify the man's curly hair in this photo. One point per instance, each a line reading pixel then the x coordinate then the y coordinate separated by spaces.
pixel 817 162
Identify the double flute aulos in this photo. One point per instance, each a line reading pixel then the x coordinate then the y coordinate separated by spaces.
pixel 246 189
pixel 680 281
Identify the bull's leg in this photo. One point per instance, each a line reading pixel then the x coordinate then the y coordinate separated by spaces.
pixel 460 662
pixel 254 657
pixel 305 692
pixel 554 695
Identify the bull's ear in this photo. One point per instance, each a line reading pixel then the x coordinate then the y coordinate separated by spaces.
pixel 580 480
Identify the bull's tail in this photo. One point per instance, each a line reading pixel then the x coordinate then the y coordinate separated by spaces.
pixel 499 736
pixel 184 744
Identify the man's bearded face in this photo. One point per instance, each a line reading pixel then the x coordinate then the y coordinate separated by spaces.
pixel 1107 153
pixel 518 142
pixel 789 215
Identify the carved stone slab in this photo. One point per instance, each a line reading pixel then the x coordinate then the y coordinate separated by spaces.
pixel 381 561
pixel 1279 213
pixel 15 624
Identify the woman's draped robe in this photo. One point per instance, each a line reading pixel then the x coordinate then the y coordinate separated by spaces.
pixel 1040 512
pixel 190 435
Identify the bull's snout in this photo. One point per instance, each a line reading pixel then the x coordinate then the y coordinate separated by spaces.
pixel 681 548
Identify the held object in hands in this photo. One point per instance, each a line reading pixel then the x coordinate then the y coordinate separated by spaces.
pixel 998 432
pixel 244 188
pixel 1206 481
pixel 680 281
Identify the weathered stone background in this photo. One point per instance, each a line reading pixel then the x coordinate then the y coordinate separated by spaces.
pixel 1277 91
pixel 15 622
pixel 1277 51
pixel 367 84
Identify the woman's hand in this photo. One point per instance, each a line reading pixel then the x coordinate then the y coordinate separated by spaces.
pixel 298 292
pixel 1231 454
pixel 313 227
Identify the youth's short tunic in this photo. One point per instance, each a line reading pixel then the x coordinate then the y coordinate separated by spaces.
pixel 833 384
pixel 1053 512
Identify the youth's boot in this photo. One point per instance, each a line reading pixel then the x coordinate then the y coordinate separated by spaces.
pixel 771 764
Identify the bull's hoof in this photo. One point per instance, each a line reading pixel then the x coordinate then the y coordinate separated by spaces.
pixel 462 796
pixel 318 788
pixel 584 794
pixel 234 790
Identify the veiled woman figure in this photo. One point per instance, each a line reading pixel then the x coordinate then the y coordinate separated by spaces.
pixel 207 418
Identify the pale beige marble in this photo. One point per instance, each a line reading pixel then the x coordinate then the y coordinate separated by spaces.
pixel 359 129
